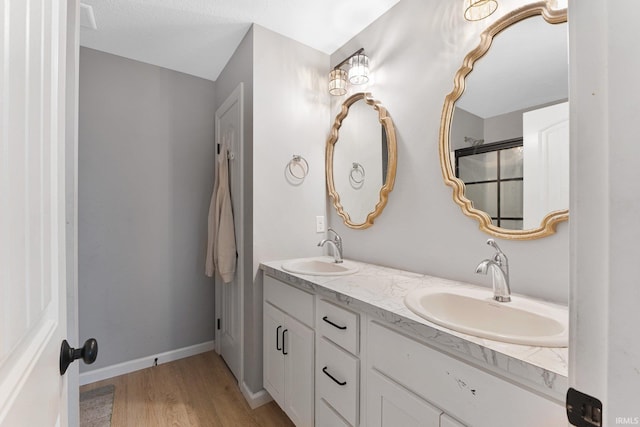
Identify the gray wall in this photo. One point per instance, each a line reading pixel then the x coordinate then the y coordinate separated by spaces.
pixel 415 50
pixel 503 127
pixel 465 124
pixel 145 179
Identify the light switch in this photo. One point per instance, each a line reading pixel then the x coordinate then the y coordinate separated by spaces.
pixel 320 226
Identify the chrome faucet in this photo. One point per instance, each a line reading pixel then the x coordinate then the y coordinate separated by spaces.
pixel 336 244
pixel 499 266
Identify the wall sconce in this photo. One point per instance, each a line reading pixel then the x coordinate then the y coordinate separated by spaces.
pixel 338 82
pixel 475 10
pixel 358 73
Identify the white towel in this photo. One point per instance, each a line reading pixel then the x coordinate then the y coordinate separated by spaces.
pixel 226 238
pixel 221 245
pixel 212 227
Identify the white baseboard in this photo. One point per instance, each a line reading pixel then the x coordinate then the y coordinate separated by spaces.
pixel 144 362
pixel 255 399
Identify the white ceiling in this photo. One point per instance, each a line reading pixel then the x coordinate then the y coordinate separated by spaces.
pixel 198 37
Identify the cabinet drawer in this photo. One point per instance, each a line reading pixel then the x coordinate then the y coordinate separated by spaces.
pixel 291 300
pixel 339 325
pixel 473 396
pixel 337 379
pixel 327 416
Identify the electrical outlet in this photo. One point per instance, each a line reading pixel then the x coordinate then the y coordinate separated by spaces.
pixel 320 225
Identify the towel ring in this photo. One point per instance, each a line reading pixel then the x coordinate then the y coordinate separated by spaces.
pixel 298 162
pixel 357 173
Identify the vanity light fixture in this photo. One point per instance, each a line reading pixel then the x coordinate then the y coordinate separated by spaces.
pixel 359 69
pixel 358 73
pixel 475 10
pixel 338 82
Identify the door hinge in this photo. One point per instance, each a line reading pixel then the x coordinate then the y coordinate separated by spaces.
pixel 218 324
pixel 583 410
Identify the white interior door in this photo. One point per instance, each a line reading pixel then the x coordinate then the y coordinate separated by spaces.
pixel 546 162
pixel 229 126
pixel 32 229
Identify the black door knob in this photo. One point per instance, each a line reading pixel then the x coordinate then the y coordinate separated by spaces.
pixel 87 353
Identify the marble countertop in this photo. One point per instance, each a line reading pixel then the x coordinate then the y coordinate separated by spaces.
pixel 380 291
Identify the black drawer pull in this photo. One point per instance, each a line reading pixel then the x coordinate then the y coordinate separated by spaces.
pixel 278 338
pixel 332 377
pixel 283 335
pixel 325 318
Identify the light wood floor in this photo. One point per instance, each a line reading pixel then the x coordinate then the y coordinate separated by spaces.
pixel 195 391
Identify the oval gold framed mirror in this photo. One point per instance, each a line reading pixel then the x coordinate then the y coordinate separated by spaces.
pixel 360 161
pixel 504 131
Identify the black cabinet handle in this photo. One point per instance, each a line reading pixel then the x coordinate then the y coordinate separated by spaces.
pixel 332 377
pixel 278 338
pixel 283 345
pixel 326 319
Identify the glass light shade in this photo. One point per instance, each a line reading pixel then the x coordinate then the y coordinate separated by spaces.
pixel 475 10
pixel 359 69
pixel 338 82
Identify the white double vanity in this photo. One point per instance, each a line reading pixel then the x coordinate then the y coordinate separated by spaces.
pixel 353 344
pixel 344 350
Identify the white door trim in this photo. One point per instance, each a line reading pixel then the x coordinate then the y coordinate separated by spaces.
pixel 71 201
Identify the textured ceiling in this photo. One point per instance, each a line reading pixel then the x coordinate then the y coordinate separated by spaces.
pixel 198 37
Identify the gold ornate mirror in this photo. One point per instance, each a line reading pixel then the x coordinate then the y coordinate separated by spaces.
pixel 361 160
pixel 504 132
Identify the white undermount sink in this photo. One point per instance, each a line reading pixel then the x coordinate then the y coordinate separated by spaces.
pixel 321 266
pixel 473 311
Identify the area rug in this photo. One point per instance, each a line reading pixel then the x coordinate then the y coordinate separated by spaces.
pixel 96 406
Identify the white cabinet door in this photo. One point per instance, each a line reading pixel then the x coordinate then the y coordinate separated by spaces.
pixel 273 359
pixel 298 351
pixel 288 357
pixel 390 405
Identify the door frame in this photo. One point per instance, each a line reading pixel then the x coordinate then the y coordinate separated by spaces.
pixel 71 201
pixel 604 346
pixel 237 96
